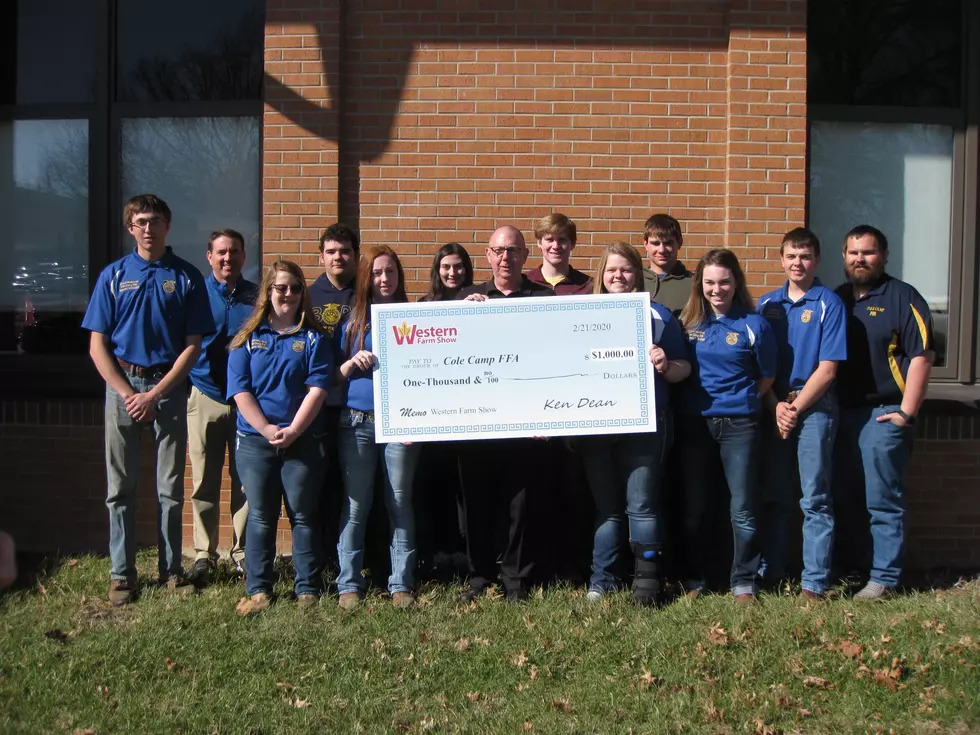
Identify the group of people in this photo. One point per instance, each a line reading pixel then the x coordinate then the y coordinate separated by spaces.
pixel 749 397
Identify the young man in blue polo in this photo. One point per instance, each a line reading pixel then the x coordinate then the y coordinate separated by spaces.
pixel 809 324
pixel 147 315
pixel 882 386
pixel 210 418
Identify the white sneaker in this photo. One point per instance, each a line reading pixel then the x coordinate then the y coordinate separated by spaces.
pixel 873 591
pixel 593 597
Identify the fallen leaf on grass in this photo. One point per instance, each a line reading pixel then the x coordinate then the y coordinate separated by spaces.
pixel 804 713
pixel 885 638
pixel 850 649
pixel 761 728
pixel 463 644
pixel 784 702
pixel 297 702
pixel 72 563
pixel 815 682
pixel 285 685
pixel 533 672
pixel 473 696
pixel 561 705
pixel 481 641
pixel 520 660
pixel 86 731
pixel 647 680
pixel 528 727
pixel 713 713
pixel 171 664
pixel 718 635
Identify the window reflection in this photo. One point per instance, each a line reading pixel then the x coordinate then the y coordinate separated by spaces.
pixel 189 50
pixel 208 172
pixel 884 52
pixel 897 177
pixel 44 238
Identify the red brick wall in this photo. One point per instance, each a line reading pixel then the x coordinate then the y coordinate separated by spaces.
pixel 444 124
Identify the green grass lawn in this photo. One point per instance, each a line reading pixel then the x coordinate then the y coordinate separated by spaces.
pixel 70 662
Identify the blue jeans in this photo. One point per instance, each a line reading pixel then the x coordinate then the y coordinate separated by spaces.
pixel 877 454
pixel 269 475
pixel 808 455
pixel 122 458
pixel 625 473
pixel 734 440
pixel 359 456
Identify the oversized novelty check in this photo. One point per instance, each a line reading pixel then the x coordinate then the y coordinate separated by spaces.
pixel 509 368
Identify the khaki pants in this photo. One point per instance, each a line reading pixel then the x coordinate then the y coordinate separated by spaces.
pixel 210 431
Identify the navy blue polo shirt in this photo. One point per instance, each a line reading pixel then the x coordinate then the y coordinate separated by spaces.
pixel 148 309
pixel 885 330
pixel 360 385
pixel 276 368
pixel 229 309
pixel 728 355
pixel 668 336
pixel 807 332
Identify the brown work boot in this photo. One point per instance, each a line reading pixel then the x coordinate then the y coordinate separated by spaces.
pixel 179 584
pixel 306 601
pixel 348 601
pixel 121 592
pixel 403 599
pixel 811 596
pixel 746 598
pixel 248 606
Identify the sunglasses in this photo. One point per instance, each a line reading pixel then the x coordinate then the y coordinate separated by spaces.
pixel 283 288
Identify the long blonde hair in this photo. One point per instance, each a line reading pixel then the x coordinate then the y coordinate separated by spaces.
pixel 624 250
pixel 697 309
pixel 359 322
pixel 263 302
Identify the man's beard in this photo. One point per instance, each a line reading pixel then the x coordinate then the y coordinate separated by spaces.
pixel 863 277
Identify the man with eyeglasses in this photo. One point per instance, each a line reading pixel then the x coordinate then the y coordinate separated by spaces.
pixel 502 472
pixel 556 240
pixel 147 315
pixel 666 280
pixel 210 418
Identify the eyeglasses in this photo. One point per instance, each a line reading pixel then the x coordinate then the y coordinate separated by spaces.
pixel 143 222
pixel 283 288
pixel 509 252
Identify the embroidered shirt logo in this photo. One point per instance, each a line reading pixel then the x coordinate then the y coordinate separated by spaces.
pixel 732 338
pixel 259 344
pixel 695 335
pixel 875 310
pixel 169 286
pixel 806 316
pixel 299 345
pixel 128 286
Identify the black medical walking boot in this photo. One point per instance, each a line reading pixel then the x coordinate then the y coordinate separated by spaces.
pixel 648 575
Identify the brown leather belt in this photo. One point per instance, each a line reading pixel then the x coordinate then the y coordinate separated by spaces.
pixel 143 372
pixel 791 396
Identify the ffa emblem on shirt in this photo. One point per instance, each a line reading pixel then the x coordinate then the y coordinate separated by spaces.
pixel 875 310
pixel 732 338
pixel 299 345
pixel 806 315
pixel 169 286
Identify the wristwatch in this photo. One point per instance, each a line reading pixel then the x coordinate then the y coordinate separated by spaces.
pixel 909 420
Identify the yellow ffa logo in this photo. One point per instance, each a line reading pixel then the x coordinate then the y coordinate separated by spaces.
pixel 732 338
pixel 806 316
pixel 875 310
pixel 169 286
pixel 299 345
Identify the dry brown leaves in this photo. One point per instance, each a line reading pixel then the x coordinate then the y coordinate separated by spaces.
pixel 816 682
pixel 718 635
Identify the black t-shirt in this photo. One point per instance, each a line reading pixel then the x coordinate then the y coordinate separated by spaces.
pixel 488 289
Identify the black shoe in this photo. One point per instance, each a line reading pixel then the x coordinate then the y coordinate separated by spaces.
pixel 517 595
pixel 201 572
pixel 470 594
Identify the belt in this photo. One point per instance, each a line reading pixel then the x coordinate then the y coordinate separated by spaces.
pixel 791 396
pixel 143 372
pixel 358 417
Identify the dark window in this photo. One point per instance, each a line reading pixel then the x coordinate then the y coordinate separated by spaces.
pixel 49 52
pixel 905 53
pixel 190 50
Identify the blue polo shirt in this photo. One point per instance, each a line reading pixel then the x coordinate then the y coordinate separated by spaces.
pixel 728 355
pixel 276 368
pixel 668 336
pixel 360 385
pixel 807 332
pixel 229 309
pixel 148 309
pixel 885 330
